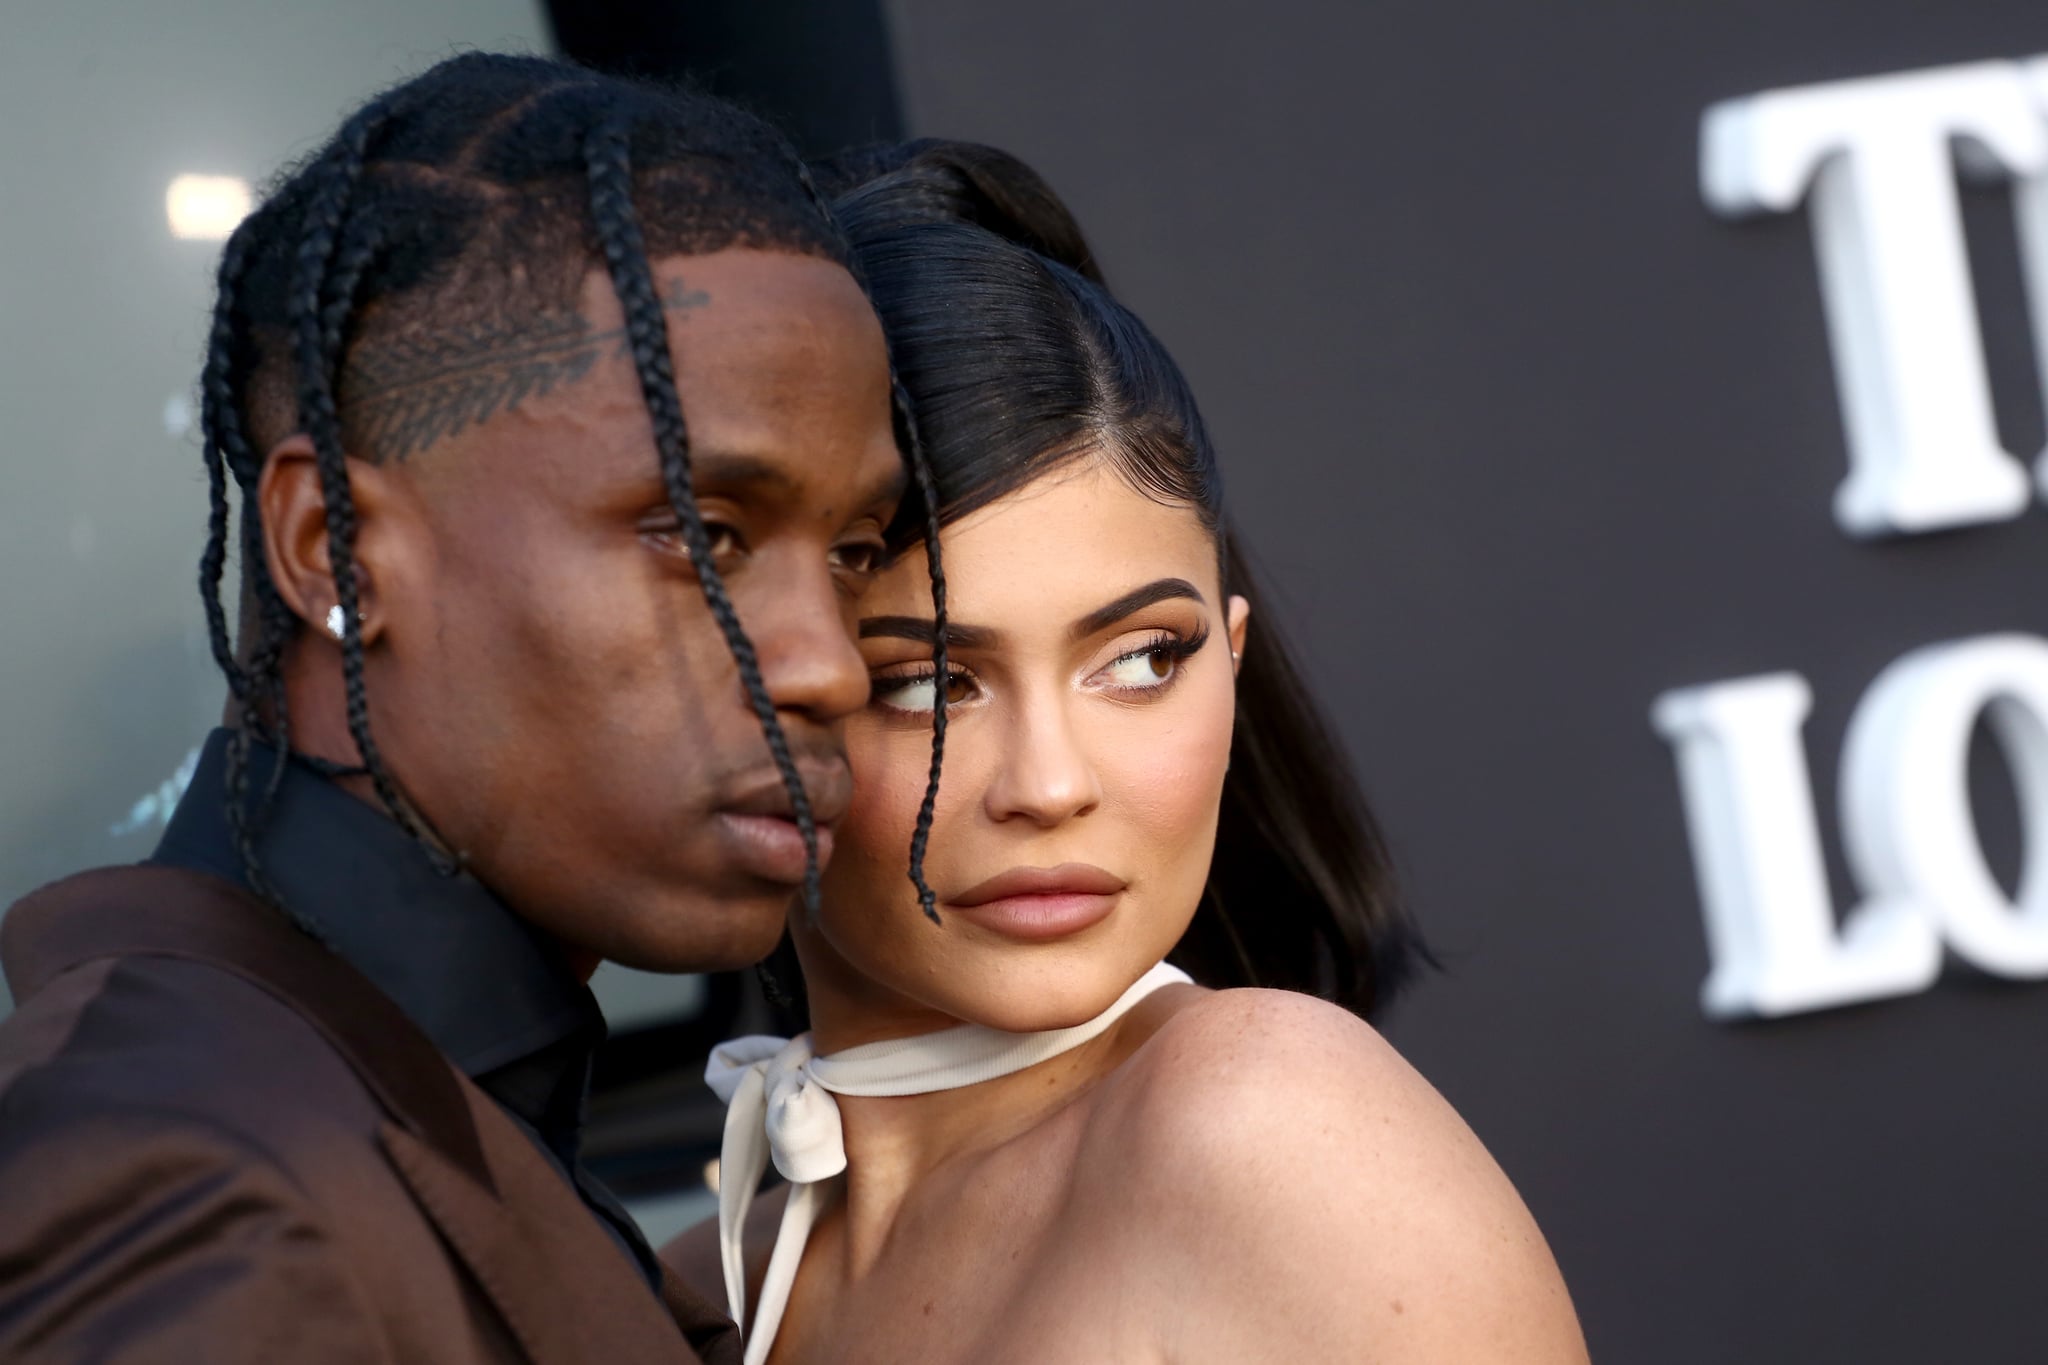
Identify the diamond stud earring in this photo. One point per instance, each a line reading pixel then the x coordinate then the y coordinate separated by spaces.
pixel 337 624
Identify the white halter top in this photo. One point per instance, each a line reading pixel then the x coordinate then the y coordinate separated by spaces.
pixel 778 1096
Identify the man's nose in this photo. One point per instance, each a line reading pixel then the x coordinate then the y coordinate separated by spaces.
pixel 804 643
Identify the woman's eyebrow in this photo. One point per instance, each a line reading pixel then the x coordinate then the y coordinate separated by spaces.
pixel 1137 599
pixel 919 628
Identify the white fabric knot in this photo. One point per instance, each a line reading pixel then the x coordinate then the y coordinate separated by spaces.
pixel 778 1098
pixel 798 1116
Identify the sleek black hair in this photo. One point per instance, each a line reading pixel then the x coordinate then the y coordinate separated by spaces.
pixel 933 180
pixel 470 201
pixel 1019 362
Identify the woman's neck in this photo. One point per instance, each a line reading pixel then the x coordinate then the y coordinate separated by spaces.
pixel 897 1145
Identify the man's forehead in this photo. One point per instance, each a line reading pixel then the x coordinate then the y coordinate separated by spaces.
pixel 748 276
pixel 790 474
pixel 756 337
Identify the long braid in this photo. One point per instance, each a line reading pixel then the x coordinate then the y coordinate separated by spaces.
pixel 606 152
pixel 274 625
pixel 318 313
pixel 225 448
pixel 344 276
pixel 927 487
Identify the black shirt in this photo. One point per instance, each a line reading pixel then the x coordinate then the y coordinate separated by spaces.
pixel 474 976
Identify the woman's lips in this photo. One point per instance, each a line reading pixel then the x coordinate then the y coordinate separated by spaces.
pixel 1036 904
pixel 770 846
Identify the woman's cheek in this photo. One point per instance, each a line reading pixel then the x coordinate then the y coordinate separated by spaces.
pixel 880 783
pixel 871 846
pixel 1169 780
pixel 891 765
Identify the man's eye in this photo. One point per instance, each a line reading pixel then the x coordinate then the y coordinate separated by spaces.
pixel 860 558
pixel 723 540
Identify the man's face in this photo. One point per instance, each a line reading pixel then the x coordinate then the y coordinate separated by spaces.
pixel 548 683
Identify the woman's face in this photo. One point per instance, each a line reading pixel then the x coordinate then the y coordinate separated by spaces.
pixel 1088 730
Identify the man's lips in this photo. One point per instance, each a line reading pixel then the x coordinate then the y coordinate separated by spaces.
pixel 756 820
pixel 827 782
pixel 770 846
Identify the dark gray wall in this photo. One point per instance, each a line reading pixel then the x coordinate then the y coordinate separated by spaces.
pixel 1525 436
pixel 821 69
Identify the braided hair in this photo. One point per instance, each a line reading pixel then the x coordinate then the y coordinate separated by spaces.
pixel 480 192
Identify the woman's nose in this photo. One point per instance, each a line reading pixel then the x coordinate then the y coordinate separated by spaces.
pixel 1045 775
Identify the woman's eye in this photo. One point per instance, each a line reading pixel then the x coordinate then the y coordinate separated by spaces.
pixel 1151 667
pixel 916 693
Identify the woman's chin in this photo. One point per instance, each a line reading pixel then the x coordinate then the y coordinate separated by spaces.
pixel 1039 1007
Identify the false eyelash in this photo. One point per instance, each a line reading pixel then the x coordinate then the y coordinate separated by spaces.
pixel 899 679
pixel 895 680
pixel 1162 642
pixel 1172 646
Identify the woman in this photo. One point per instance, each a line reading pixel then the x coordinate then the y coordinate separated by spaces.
pixel 1017 1135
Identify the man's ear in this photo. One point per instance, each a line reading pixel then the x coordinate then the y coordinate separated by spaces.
pixel 295 544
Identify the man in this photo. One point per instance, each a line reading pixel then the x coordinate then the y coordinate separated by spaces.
pixel 565 444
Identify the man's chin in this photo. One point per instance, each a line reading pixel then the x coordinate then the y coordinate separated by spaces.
pixel 719 938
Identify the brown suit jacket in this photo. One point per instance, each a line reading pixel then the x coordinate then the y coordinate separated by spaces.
pixel 220 1143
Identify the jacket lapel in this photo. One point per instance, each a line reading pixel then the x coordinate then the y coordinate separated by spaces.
pixel 561 1284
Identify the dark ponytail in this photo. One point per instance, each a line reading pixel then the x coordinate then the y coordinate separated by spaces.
pixel 1018 361
pixel 933 180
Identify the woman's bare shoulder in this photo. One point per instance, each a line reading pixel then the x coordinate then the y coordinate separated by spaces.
pixel 1228 1066
pixel 1279 1151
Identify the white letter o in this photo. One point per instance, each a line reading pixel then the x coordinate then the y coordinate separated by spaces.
pixel 1908 828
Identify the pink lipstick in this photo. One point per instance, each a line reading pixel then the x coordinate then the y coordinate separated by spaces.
pixel 1037 904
